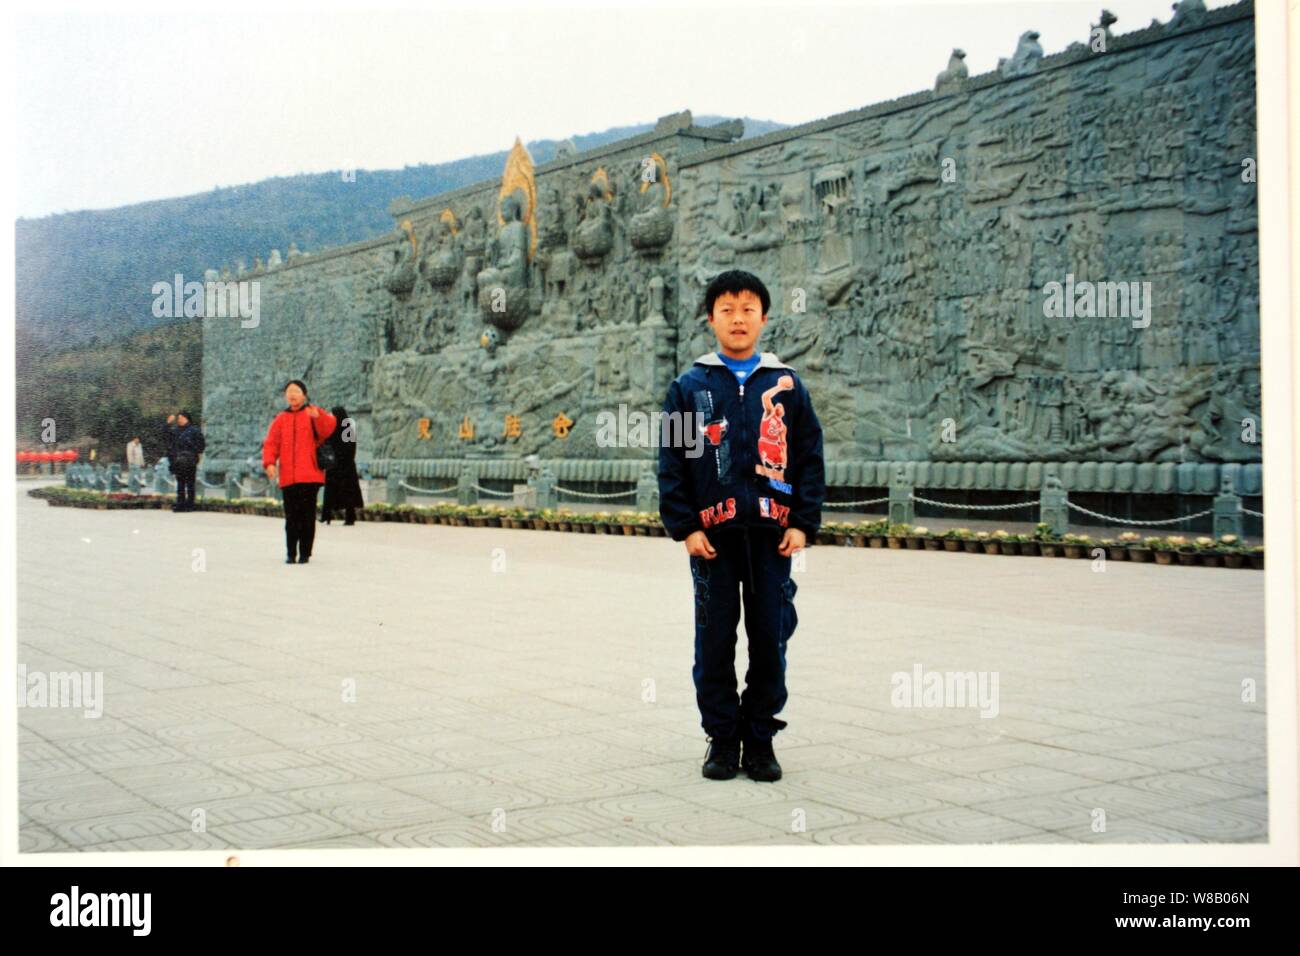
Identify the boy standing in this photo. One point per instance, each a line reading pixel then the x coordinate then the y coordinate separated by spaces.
pixel 746 497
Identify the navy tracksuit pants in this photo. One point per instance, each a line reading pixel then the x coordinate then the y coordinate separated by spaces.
pixel 747 564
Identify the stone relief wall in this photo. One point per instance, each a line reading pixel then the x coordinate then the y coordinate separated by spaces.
pixel 522 308
pixel 924 294
pixel 319 317
pixel 907 247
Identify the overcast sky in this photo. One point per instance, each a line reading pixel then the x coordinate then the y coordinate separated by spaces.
pixel 118 109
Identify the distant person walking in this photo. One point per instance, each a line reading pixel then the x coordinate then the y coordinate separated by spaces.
pixel 289 452
pixel 187 450
pixel 134 455
pixel 342 486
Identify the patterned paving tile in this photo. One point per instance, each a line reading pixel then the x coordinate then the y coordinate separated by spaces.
pixel 280 831
pixel 106 826
pixel 1220 821
pixel 474 739
pixel 964 825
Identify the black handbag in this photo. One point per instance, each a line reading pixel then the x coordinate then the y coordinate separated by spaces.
pixel 325 456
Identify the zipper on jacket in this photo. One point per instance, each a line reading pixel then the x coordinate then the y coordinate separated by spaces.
pixel 744 436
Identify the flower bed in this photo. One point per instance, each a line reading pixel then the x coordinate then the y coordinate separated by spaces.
pixel 1227 551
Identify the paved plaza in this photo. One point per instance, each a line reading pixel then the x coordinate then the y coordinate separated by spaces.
pixel 429 686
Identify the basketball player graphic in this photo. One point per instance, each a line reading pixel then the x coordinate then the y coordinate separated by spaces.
pixel 772 435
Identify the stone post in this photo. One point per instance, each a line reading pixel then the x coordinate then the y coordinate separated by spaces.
pixel 1227 516
pixel 647 491
pixel 1052 509
pixel 395 493
pixel 902 510
pixel 465 491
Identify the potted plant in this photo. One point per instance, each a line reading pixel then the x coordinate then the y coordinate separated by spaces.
pixel 1007 542
pixel 1114 549
pixel 1255 554
pixel 1161 549
pixel 1208 550
pixel 839 533
pixel 1134 547
pixel 953 537
pixel 932 542
pixel 897 534
pixel 915 537
pixel 1231 551
pixel 1049 544
pixel 1185 550
pixel 1076 545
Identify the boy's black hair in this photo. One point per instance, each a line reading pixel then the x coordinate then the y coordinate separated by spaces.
pixel 735 281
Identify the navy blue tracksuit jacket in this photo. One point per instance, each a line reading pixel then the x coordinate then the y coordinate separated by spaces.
pixel 741 463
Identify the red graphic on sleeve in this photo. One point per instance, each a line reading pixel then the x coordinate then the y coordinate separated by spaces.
pixel 772 433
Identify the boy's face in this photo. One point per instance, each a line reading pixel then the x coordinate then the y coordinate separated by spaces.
pixel 737 321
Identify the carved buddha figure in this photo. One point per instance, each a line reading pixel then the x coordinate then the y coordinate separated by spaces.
pixel 503 285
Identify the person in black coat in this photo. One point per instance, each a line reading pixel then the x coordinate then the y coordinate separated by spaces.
pixel 188 444
pixel 167 442
pixel 342 486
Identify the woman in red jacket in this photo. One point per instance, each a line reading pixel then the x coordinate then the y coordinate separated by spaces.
pixel 292 440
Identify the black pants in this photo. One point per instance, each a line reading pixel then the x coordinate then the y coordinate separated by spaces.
pixel 185 487
pixel 300 517
pixel 349 512
pixel 747 571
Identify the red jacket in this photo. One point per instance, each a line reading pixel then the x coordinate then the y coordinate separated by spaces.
pixel 293 439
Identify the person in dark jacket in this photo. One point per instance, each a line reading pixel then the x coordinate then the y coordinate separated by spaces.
pixel 342 486
pixel 188 444
pixel 289 454
pixel 167 443
pixel 742 485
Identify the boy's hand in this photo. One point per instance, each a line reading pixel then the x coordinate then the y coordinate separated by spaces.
pixel 698 546
pixel 793 541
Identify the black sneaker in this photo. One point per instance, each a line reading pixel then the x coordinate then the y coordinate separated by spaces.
pixel 760 762
pixel 722 759
pixel 291 560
